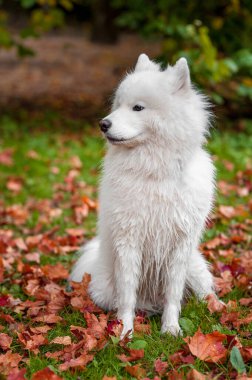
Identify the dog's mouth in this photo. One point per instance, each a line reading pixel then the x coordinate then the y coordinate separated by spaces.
pixel 113 140
pixel 118 141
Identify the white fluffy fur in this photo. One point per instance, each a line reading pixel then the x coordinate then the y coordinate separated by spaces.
pixel 155 195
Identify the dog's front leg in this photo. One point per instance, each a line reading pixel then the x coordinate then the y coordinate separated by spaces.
pixel 127 273
pixel 175 289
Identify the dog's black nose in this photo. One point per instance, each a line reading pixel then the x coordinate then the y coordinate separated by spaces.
pixel 105 124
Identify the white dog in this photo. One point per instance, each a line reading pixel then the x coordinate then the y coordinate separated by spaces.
pixel 155 195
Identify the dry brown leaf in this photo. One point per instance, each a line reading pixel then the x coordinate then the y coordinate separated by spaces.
pixel 224 284
pixel 31 342
pixel 17 374
pixel 76 232
pixel 174 375
pixel 207 347
pixel 15 185
pixel 45 374
pixel 55 272
pixel 48 318
pixel 9 362
pixel 5 341
pixel 78 363
pixel 133 356
pixel 65 340
pixel 193 374
pixel 214 305
pixel 40 329
pixel 245 301
pixel 6 157
pixel 243 321
pixel 136 371
pixel 160 367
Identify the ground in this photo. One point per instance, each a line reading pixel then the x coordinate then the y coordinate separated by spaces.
pixel 69 72
pixel 49 169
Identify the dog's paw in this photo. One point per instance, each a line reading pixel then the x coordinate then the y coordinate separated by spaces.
pixel 127 330
pixel 174 330
pixel 128 327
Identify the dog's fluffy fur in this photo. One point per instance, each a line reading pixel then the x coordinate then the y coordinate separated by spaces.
pixel 155 195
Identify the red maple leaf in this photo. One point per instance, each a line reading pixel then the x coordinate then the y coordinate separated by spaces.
pixel 207 347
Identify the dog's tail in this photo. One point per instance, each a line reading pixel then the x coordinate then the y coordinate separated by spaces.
pixel 87 261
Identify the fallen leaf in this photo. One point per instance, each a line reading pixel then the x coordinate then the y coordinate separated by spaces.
pixel 8 362
pixel 6 157
pixel 160 366
pixel 48 318
pixel 33 257
pixel 78 363
pixel 65 340
pixel 133 356
pixel 17 375
pixel 40 329
pixel 181 357
pixel 207 347
pixel 246 353
pixel 243 321
pixel 1 270
pixel 245 301
pixel 55 272
pixel 31 341
pixel 174 375
pixel 75 162
pixel 15 185
pixel 4 300
pixel 136 371
pixel 5 341
pixel 228 211
pixel 76 232
pixel 214 305
pixel 193 374
pixel 45 374
pixel 224 284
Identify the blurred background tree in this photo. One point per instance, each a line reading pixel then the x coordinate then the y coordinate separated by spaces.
pixel 214 36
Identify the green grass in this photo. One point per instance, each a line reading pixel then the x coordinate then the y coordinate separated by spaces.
pixel 55 142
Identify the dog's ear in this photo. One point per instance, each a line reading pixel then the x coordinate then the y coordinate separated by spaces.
pixel 145 64
pixel 181 75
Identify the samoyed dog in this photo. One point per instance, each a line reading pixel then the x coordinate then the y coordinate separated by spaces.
pixel 155 195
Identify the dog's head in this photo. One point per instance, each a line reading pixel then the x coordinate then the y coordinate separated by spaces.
pixel 151 104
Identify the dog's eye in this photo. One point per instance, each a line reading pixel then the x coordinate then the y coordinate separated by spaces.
pixel 137 107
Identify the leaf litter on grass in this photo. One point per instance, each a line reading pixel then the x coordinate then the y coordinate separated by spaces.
pixel 36 301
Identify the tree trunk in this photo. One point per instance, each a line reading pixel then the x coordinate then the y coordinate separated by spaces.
pixel 103 25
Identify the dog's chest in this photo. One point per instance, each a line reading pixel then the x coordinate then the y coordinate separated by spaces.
pixel 154 214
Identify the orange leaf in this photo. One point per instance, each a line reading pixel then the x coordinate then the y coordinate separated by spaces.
pixel 160 367
pixel 9 362
pixel 174 375
pixel 17 375
pixel 207 347
pixel 134 355
pixel 136 371
pixel 78 363
pixel 45 374
pixel 214 305
pixel 245 301
pixel 5 341
pixel 55 272
pixel 65 340
pixel 193 374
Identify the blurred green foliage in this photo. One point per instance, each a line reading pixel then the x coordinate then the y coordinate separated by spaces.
pixel 214 36
pixel 44 15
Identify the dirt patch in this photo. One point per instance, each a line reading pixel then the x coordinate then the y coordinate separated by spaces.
pixel 68 72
